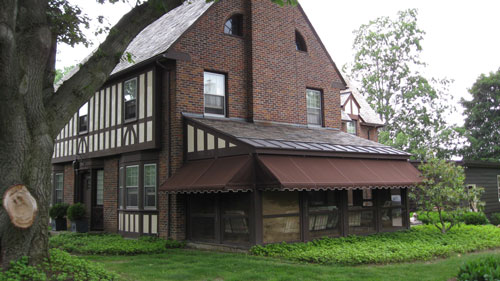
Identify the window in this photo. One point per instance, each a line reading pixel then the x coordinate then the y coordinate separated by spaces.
pixel 83 118
pixel 361 211
pixel 300 43
pixel 234 25
pixel 324 216
pixel 391 213
pixel 351 127
pixel 130 99
pixel 58 187
pixel 203 214
pixel 132 185
pixel 215 93
pixel 280 216
pixel 120 188
pixel 314 116
pixel 99 196
pixel 150 186
pixel 235 208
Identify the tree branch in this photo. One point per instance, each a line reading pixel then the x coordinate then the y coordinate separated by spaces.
pixel 95 71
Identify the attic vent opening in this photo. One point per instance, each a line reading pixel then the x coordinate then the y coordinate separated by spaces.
pixel 234 25
pixel 300 43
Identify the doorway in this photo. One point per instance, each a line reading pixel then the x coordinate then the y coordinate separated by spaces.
pixel 91 194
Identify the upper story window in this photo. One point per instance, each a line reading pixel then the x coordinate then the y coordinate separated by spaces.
pixel 300 43
pixel 130 99
pixel 234 25
pixel 58 187
pixel 215 93
pixel 351 127
pixel 314 116
pixel 83 118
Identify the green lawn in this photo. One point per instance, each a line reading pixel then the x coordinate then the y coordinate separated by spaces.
pixel 186 264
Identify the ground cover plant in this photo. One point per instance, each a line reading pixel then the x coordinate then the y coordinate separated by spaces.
pixel 472 218
pixel 110 244
pixel 188 264
pixel 60 266
pixel 422 242
pixel 486 268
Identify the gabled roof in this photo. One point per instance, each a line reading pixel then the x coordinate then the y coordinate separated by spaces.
pixel 366 112
pixel 159 36
pixel 292 137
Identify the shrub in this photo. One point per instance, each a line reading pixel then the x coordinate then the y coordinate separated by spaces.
pixel 76 212
pixel 110 244
pixel 475 218
pixel 482 269
pixel 495 218
pixel 432 217
pixel 419 243
pixel 60 266
pixel 58 211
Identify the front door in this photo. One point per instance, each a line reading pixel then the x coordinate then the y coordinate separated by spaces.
pixel 96 219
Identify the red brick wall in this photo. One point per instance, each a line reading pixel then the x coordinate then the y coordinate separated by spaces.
pixel 281 74
pixel 110 203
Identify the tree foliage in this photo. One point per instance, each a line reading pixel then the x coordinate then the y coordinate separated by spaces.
pixel 442 190
pixel 482 119
pixel 387 64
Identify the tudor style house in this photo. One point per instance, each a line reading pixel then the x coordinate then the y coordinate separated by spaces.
pixel 227 129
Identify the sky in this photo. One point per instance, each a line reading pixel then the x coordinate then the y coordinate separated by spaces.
pixel 462 38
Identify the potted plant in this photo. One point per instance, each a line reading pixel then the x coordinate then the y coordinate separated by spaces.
pixel 58 214
pixel 76 214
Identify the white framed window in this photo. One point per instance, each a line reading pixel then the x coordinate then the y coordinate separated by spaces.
pixel 150 186
pixel 83 118
pixel 351 127
pixel 58 187
pixel 314 110
pixel 215 93
pixel 99 196
pixel 132 186
pixel 130 99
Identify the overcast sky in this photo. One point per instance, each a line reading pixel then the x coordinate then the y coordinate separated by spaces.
pixel 462 37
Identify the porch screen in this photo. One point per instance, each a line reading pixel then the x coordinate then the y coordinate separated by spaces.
pixel 324 214
pixel 281 220
pixel 361 211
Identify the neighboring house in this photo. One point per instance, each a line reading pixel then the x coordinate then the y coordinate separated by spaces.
pixel 486 175
pixel 358 118
pixel 226 130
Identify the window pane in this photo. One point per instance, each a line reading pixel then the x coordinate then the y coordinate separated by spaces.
pixel 276 202
pixel 58 187
pixel 202 204
pixel 120 189
pixel 132 176
pixel 236 229
pixel 84 110
pixel 215 92
pixel 281 229
pixel 392 218
pixel 361 221
pixel 313 107
pixel 150 197
pixel 358 199
pixel 203 228
pixel 390 197
pixel 130 109
pixel 150 175
pixel 100 188
pixel 131 196
pixel 235 204
pixel 130 90
pixel 351 127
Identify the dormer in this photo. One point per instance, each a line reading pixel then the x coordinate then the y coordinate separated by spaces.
pixel 349 104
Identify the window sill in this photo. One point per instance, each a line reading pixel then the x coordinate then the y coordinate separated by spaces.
pixel 214 115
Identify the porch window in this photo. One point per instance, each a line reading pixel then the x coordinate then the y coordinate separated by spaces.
pixel 281 220
pixel 314 115
pixel 100 188
pixel 130 99
pixel 132 186
pixel 351 127
pixel 361 211
pixel 58 187
pixel 83 118
pixel 391 211
pixel 150 186
pixel 203 213
pixel 324 215
pixel 235 209
pixel 215 93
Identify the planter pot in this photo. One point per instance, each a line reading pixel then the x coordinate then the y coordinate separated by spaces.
pixel 81 226
pixel 60 224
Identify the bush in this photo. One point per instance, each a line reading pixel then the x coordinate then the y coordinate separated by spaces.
pixel 58 211
pixel 60 266
pixel 495 218
pixel 475 218
pixel 111 244
pixel 432 217
pixel 483 269
pixel 76 212
pixel 419 243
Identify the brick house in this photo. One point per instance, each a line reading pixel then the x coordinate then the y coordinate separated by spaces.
pixel 227 129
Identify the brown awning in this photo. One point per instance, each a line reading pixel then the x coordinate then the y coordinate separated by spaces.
pixel 213 175
pixel 314 173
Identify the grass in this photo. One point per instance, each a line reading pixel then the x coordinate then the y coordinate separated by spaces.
pixel 420 243
pixel 186 264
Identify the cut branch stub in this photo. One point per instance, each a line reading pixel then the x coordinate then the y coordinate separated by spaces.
pixel 20 205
